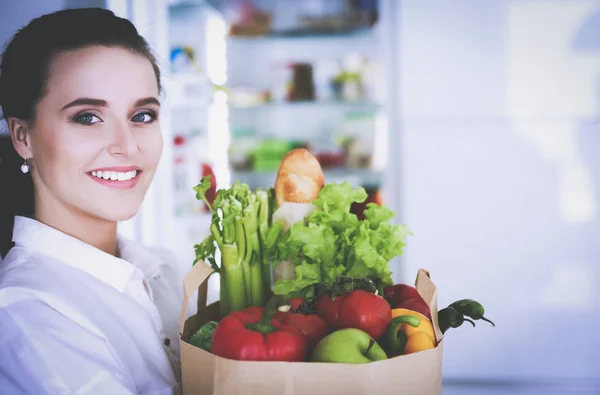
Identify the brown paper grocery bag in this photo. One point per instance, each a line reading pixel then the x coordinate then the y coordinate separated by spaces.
pixel 204 373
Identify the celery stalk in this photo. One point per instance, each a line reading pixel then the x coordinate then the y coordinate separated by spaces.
pixel 227 223
pixel 257 295
pixel 234 289
pixel 253 252
pixel 214 230
pixel 264 210
pixel 240 224
pixel 241 242
pixel 223 294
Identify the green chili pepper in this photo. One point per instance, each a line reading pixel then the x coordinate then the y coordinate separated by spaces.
pixel 471 308
pixel 395 339
pixel 451 318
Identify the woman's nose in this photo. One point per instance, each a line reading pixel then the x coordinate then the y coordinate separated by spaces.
pixel 123 141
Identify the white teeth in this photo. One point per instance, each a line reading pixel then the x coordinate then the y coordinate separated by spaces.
pixel 115 175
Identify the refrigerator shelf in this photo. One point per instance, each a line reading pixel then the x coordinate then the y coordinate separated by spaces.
pixel 365 33
pixel 368 178
pixel 189 90
pixel 330 104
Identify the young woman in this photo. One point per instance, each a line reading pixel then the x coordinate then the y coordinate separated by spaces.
pixel 82 311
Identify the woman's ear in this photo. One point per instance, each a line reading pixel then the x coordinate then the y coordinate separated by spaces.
pixel 20 137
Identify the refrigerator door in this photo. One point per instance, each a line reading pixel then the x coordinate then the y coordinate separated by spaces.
pixel 170 216
pixel 153 225
pixel 497 167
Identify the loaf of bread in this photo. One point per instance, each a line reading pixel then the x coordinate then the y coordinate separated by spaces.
pixel 299 179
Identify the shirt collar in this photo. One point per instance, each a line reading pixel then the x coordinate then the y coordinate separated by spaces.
pixel 46 240
pixel 140 256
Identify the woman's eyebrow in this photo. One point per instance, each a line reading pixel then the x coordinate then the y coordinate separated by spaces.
pixel 85 101
pixel 147 100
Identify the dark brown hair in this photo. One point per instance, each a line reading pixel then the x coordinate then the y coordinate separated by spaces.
pixel 24 73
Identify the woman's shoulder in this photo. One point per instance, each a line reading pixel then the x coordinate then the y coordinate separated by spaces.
pixel 164 254
pixel 18 260
pixel 136 251
pixel 26 274
pixel 148 257
pixel 29 283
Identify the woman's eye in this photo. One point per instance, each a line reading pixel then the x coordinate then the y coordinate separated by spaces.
pixel 87 119
pixel 144 117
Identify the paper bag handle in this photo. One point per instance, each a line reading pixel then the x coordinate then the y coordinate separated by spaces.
pixel 191 282
pixel 428 292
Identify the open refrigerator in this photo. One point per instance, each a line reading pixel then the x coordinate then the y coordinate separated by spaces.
pixel 247 81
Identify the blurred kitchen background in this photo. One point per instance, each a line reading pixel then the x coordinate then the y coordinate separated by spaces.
pixel 477 121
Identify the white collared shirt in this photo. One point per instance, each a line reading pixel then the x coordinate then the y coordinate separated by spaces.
pixel 76 320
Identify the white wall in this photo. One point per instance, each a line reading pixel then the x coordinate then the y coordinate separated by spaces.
pixel 16 13
pixel 498 117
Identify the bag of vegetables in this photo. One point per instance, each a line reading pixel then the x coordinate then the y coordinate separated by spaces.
pixel 344 361
pixel 307 304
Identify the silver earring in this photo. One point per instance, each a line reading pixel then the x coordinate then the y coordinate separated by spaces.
pixel 25 167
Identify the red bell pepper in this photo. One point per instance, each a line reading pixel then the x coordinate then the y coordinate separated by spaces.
pixel 253 334
pixel 407 297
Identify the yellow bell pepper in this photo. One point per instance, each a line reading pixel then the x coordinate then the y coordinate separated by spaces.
pixel 409 332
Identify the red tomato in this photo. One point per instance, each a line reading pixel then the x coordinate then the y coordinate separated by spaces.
pixel 313 326
pixel 295 303
pixel 329 310
pixel 365 311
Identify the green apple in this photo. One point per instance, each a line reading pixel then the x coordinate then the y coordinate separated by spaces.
pixel 348 346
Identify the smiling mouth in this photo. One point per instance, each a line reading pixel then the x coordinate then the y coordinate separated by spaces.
pixel 115 175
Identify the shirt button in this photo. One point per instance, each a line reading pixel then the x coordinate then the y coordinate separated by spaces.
pixel 167 341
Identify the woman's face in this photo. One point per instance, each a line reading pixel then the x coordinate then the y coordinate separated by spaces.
pixel 96 141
